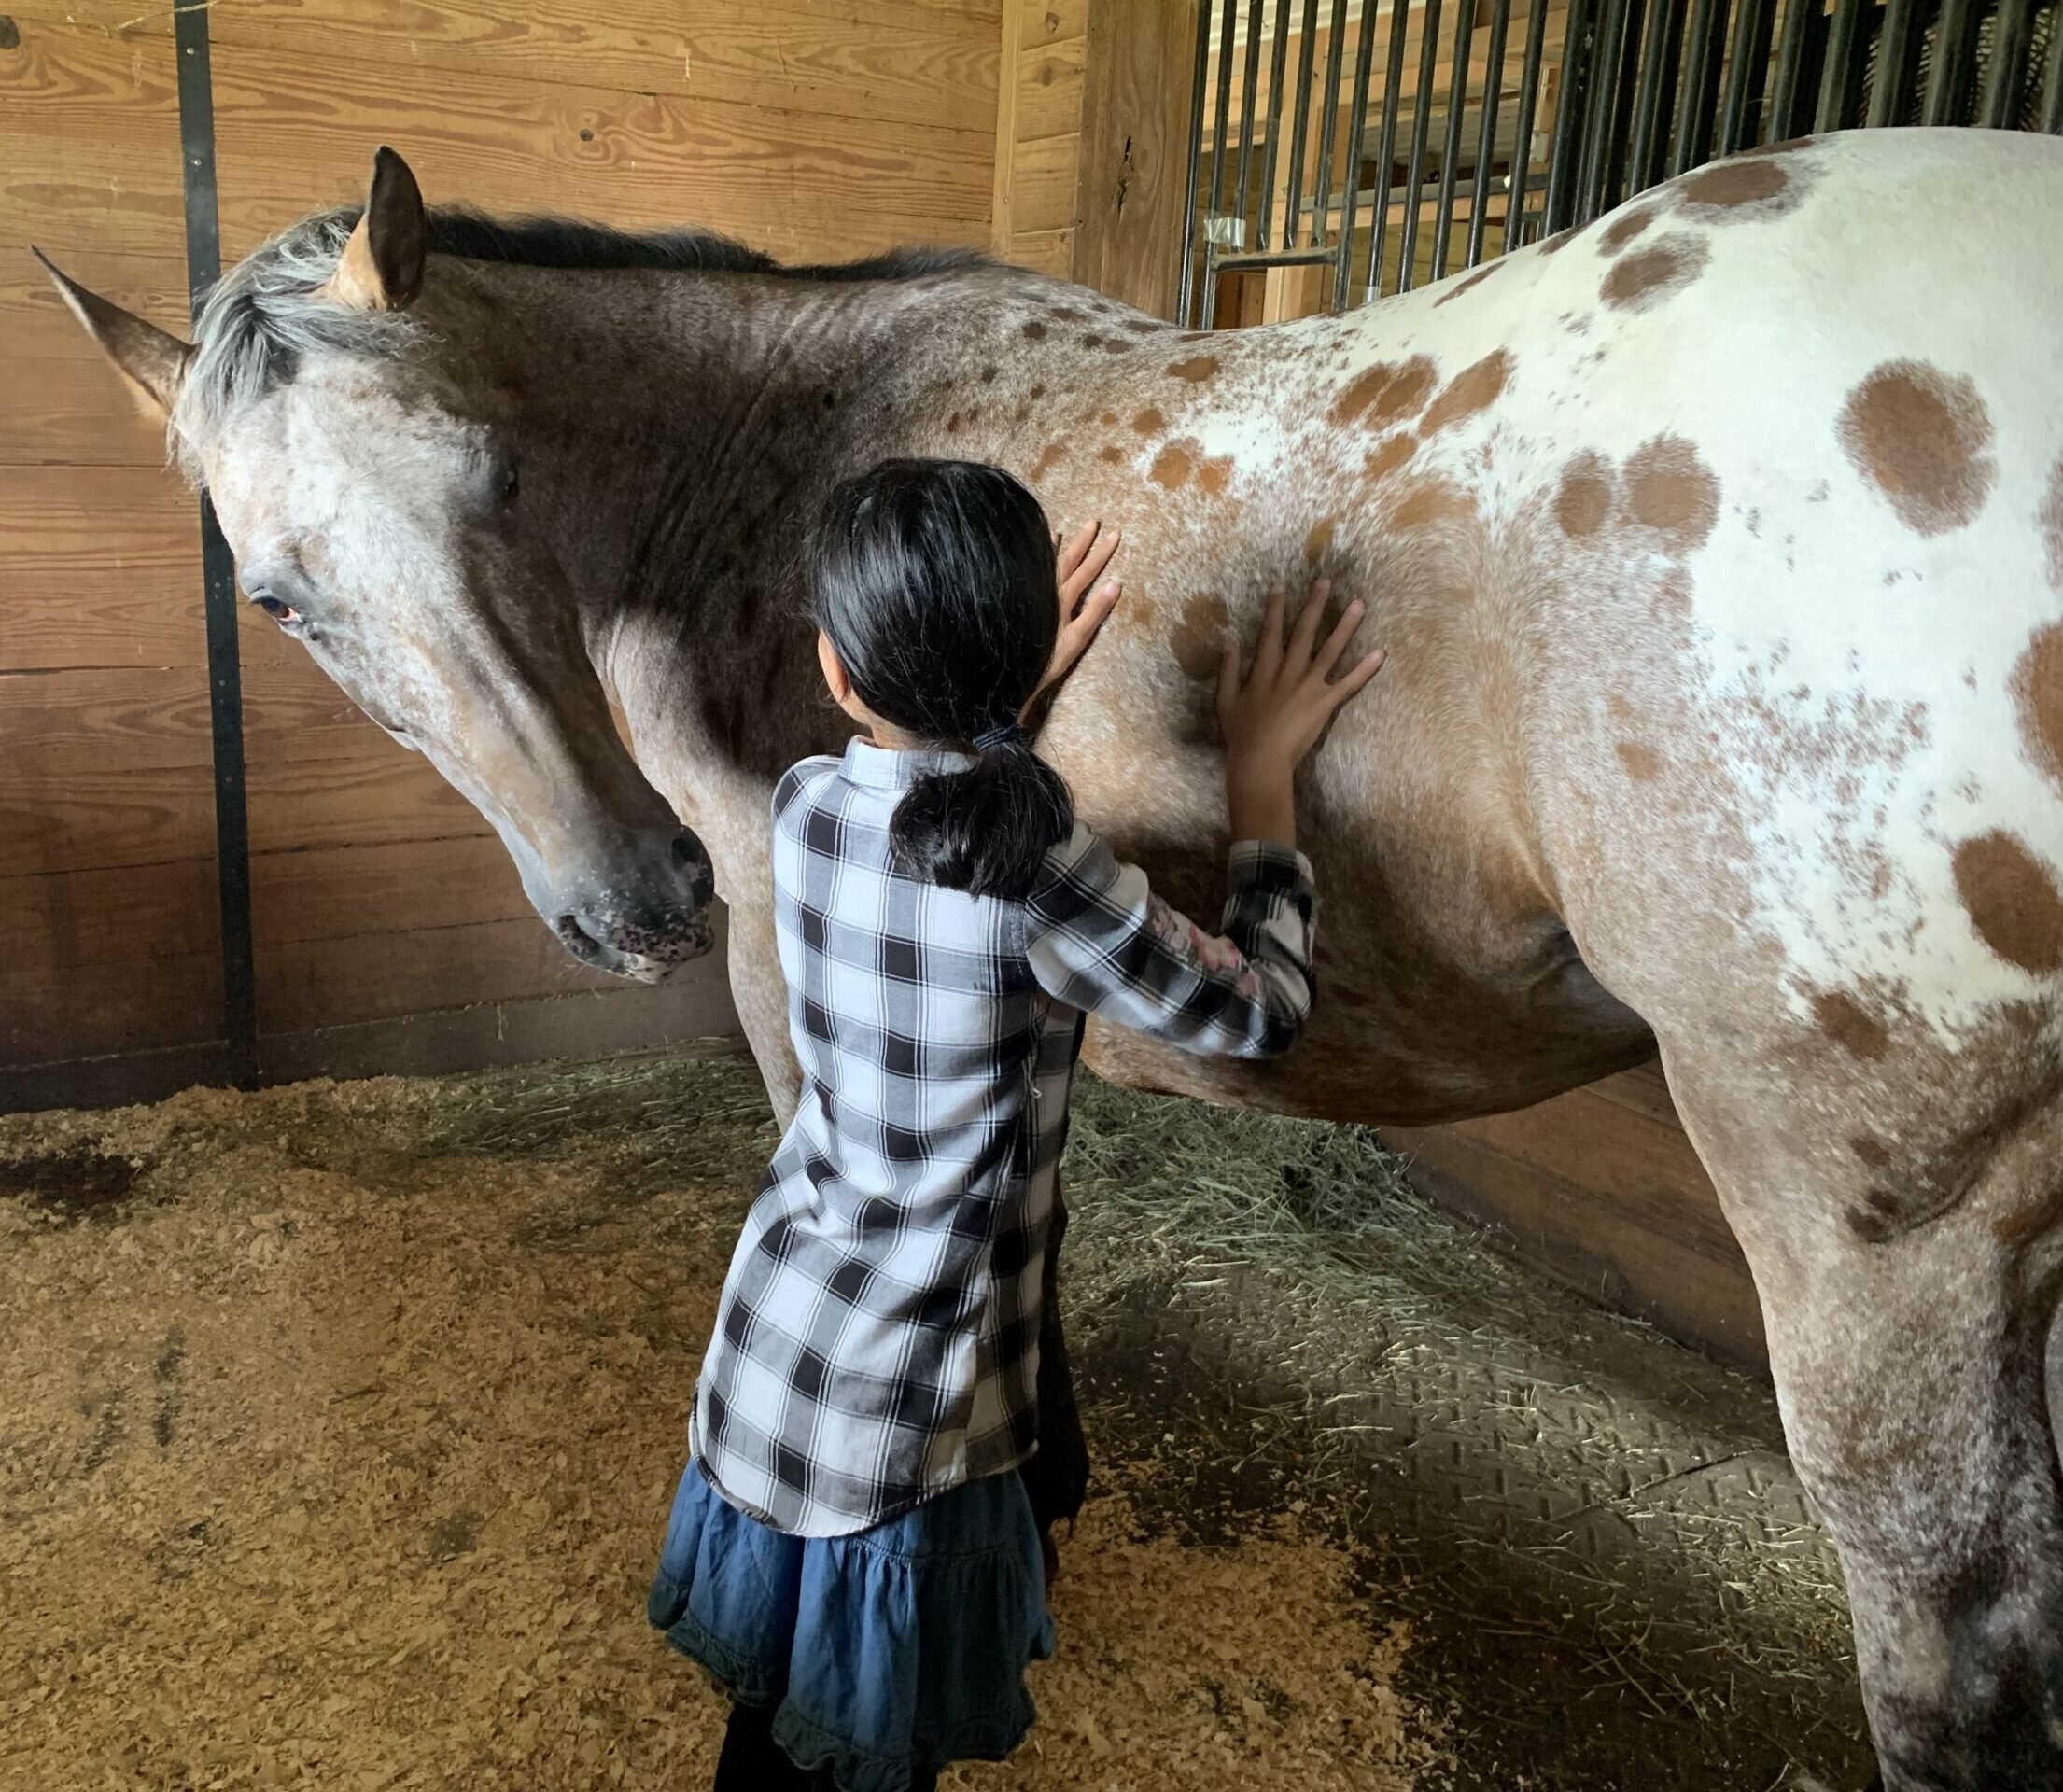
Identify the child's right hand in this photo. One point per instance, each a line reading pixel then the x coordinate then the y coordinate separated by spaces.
pixel 1274 716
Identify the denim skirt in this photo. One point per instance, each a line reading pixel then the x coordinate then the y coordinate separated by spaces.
pixel 881 1655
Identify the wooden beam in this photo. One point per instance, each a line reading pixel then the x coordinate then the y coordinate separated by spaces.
pixel 1006 131
pixel 1135 144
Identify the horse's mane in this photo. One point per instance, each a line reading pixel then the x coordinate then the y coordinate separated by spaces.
pixel 265 313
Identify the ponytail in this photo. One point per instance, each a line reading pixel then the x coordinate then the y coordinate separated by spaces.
pixel 987 828
pixel 934 581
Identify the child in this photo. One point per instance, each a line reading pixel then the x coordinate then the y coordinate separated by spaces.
pixel 850 1552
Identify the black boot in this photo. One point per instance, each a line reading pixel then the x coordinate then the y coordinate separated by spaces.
pixel 753 1761
pixel 1056 1481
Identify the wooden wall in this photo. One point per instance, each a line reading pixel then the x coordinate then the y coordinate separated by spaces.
pixel 390 931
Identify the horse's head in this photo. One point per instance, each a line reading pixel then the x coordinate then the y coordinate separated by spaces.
pixel 356 434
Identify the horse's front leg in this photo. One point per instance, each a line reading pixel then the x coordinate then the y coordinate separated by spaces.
pixel 758 990
pixel 1910 1290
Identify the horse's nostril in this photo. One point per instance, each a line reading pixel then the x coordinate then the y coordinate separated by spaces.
pixel 684 853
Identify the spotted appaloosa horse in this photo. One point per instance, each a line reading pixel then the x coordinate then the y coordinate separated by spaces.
pixel 1719 547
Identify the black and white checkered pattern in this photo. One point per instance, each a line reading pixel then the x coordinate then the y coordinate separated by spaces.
pixel 877 1342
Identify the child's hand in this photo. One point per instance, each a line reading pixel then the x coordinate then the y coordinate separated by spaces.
pixel 1085 605
pixel 1273 717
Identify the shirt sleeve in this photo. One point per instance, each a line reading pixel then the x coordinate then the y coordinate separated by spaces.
pixel 1100 940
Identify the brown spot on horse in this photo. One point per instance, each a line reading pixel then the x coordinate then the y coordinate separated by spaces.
pixel 1871 1151
pixel 1669 490
pixel 2012 901
pixel 1643 281
pixel 1850 1026
pixel 1198 641
pixel 1319 540
pixel 1034 331
pixel 1474 389
pixel 1198 368
pixel 1585 497
pixel 2037 692
pixel 1625 227
pixel 1111 453
pixel 1430 501
pixel 1213 476
pixel 1474 280
pixel 1172 466
pixel 1386 459
pixel 1724 188
pixel 1923 440
pixel 1149 422
pixel 1642 762
pixel 1381 395
pixel 1049 457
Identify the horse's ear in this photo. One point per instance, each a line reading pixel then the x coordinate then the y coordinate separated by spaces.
pixel 152 362
pixel 382 265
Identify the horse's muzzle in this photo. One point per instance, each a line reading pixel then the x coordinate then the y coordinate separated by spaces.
pixel 643 928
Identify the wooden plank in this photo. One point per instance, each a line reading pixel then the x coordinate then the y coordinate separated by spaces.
pixel 65 810
pixel 1052 22
pixel 1044 251
pixel 1006 132
pixel 1048 88
pixel 386 796
pixel 50 1012
pixel 75 917
pixel 89 144
pixel 1135 145
pixel 360 891
pixel 102 568
pixel 1043 184
pixel 293 136
pixel 156 715
pixel 1555 1227
pixel 877 59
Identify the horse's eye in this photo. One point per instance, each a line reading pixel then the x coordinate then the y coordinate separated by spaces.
pixel 277 608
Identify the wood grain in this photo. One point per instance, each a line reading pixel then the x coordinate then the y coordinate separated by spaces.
pixel 119 917
pixel 364 891
pixel 1049 85
pixel 62 809
pixel 51 1012
pixel 1045 251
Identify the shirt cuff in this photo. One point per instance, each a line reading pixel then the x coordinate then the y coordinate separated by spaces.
pixel 1268 866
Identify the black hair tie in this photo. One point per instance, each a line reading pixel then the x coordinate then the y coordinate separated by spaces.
pixel 1003 735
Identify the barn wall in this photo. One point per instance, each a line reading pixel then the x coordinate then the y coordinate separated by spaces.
pixel 389 926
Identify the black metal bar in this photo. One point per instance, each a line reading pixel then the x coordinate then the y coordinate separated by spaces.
pixel 1843 37
pixel 1199 82
pixel 1209 320
pixel 1250 94
pixel 1521 172
pixel 1950 63
pixel 233 852
pixel 1785 122
pixel 1450 148
pixel 1747 76
pixel 1650 150
pixel 1422 125
pixel 1329 125
pixel 1357 122
pixel 2052 88
pixel 1597 111
pixel 1559 208
pixel 1893 60
pixel 1385 153
pixel 1225 41
pixel 1703 48
pixel 1619 153
pixel 2010 38
pixel 1486 138
pixel 1299 124
pixel 1278 67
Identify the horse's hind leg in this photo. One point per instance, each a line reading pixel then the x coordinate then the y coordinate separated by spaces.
pixel 1909 1275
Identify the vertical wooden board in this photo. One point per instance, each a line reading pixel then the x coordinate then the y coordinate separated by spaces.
pixel 1044 184
pixel 1135 141
pixel 1044 251
pixel 1006 129
pixel 1052 22
pixel 1049 84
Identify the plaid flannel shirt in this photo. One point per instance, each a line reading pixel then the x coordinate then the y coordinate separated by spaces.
pixel 877 1340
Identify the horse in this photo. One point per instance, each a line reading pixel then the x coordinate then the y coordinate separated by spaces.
pixel 1718 549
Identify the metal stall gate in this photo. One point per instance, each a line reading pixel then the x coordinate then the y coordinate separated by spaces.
pixel 1417 137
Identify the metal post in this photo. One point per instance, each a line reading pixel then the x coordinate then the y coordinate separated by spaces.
pixel 1748 70
pixel 1598 122
pixel 1450 150
pixel 1559 208
pixel 1784 102
pixel 1357 122
pixel 1486 138
pixel 1198 82
pixel 1700 85
pixel 1842 36
pixel 1250 94
pixel 1422 124
pixel 2052 89
pixel 1650 154
pixel 1329 124
pixel 1385 153
pixel 1278 67
pixel 2009 63
pixel 1520 175
pixel 1893 59
pixel 1299 128
pixel 1224 105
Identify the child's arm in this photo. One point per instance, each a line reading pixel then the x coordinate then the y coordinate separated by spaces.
pixel 1100 940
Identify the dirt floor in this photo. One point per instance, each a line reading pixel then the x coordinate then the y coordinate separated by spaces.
pixel 338 1425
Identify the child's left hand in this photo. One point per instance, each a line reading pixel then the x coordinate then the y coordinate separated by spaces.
pixel 1085 605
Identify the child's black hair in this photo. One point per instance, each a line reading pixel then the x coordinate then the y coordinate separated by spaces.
pixel 934 581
